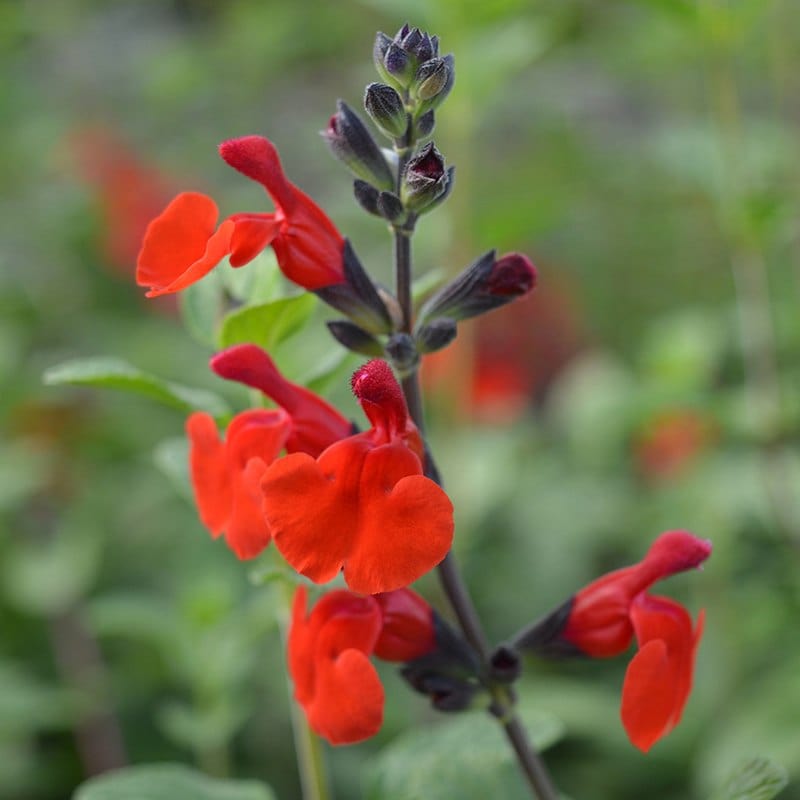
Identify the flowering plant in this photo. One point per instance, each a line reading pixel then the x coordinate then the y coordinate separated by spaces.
pixel 364 503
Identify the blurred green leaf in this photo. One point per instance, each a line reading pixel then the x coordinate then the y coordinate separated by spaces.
pixel 329 370
pixel 267 324
pixel 202 728
pixel 168 782
pixel 115 373
pixel 28 705
pixel 202 308
pixel 756 779
pixel 172 458
pixel 467 758
pixel 47 577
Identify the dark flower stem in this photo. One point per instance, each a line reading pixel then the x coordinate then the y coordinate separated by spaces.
pixel 453 584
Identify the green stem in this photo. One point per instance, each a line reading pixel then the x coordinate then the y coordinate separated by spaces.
pixel 530 762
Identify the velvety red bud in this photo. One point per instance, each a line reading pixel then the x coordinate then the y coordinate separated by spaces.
pixel 376 388
pixel 512 275
pixel 408 630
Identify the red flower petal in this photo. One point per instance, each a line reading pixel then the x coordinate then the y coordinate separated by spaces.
pixel 251 234
pixel 210 477
pixel 226 476
pixel 316 424
pixel 348 706
pixel 407 631
pixel 180 246
pixel 366 509
pixel 328 660
pixel 659 678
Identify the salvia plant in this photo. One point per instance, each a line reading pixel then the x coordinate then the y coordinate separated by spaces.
pixel 357 509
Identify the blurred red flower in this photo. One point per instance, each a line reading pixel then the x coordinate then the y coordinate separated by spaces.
pixel 130 191
pixel 671 440
pixel 329 651
pixel 184 243
pixel 363 505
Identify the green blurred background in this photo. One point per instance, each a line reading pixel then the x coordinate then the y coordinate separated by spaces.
pixel 645 155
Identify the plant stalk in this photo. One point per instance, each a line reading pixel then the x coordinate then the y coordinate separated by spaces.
pixel 529 760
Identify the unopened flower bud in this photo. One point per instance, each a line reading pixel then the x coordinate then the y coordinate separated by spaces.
pixel 386 108
pixel 436 334
pixel 389 206
pixel 357 296
pixel 425 178
pixel 352 143
pixel 402 350
pixel 397 65
pixel 366 196
pixel 354 338
pixel 487 283
pixel 431 78
pixel 434 80
pixel 505 664
pixel 424 125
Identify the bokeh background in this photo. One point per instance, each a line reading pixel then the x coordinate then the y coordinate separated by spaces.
pixel 645 154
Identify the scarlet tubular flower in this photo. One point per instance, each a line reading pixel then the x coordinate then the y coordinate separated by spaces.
pixel 183 244
pixel 329 651
pixel 315 424
pixel 599 622
pixel 225 474
pixel 603 617
pixel 363 505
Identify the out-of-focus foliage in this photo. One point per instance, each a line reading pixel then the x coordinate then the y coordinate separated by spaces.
pixel 643 153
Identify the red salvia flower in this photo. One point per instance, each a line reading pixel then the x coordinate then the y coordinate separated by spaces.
pixel 363 505
pixel 329 652
pixel 315 423
pixel 184 243
pixel 606 614
pixel 599 622
pixel 225 474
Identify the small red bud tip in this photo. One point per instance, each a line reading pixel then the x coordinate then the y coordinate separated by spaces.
pixel 513 274
pixel 376 388
pixel 677 551
pixel 332 125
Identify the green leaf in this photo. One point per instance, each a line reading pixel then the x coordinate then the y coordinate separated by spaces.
pixel 267 324
pixel 115 373
pixel 468 758
pixel 172 458
pixel 755 779
pixel 202 307
pixel 168 782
